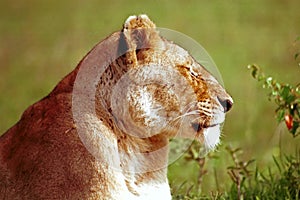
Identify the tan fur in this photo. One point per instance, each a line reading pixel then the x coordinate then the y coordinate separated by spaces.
pixel 43 156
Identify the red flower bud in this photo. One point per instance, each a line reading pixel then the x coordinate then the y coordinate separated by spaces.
pixel 288 121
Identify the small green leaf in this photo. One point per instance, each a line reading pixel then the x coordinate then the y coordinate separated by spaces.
pixel 254 72
pixel 278 85
pixel 274 93
pixel 280 115
pixel 290 99
pixel 269 81
pixel 295 127
pixel 284 93
pixel 297 89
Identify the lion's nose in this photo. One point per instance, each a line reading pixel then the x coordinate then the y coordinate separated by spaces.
pixel 226 103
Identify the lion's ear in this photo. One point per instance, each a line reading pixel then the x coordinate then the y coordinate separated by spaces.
pixel 138 33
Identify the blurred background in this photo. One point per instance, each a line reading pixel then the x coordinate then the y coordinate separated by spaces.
pixel 43 40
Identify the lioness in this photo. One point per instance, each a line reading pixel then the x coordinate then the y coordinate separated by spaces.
pixel 103 132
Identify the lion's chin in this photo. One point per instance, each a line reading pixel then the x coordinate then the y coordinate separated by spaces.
pixel 211 137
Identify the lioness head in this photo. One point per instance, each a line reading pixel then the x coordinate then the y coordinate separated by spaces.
pixel 155 88
pixel 167 91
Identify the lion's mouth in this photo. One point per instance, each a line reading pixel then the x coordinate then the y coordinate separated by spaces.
pixel 198 127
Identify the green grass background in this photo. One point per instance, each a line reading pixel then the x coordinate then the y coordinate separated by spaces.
pixel 42 40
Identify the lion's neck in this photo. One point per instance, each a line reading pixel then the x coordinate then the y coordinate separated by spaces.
pixel 140 156
pixel 142 171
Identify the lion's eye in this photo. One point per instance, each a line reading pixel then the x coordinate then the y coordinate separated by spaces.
pixel 193 73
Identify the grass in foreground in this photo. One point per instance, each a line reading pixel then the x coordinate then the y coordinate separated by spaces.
pixel 280 182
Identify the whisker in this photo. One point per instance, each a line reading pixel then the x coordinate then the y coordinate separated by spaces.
pixel 187 112
pixel 194 112
pixel 193 103
pixel 207 113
